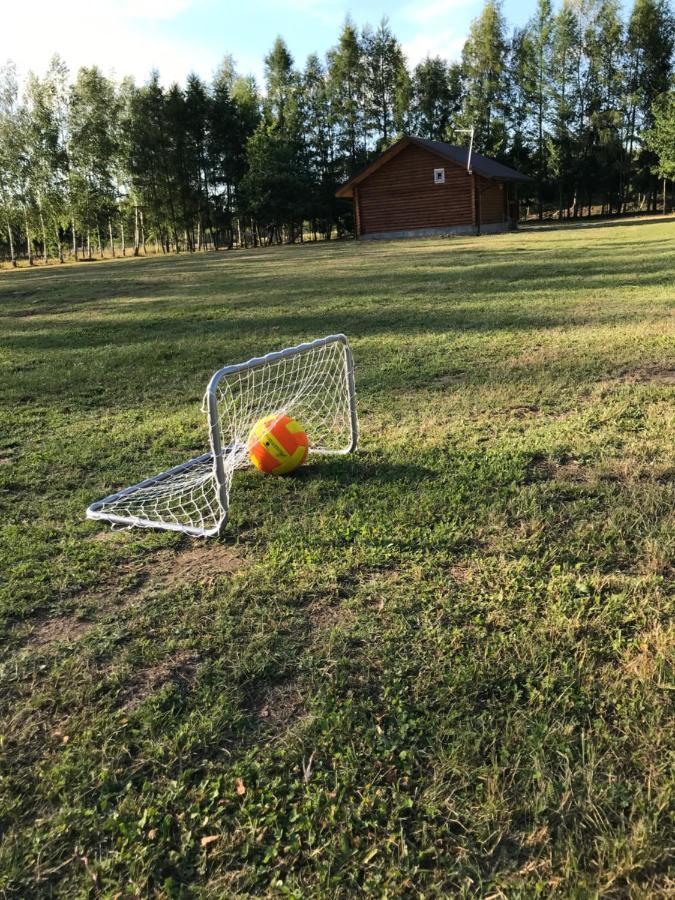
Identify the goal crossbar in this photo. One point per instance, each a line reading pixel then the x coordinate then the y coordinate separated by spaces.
pixel 313 382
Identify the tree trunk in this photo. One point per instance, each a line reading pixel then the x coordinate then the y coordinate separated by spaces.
pixel 98 238
pixel 112 242
pixel 45 252
pixel 12 255
pixel 145 252
pixel 29 245
pixel 74 241
pixel 136 232
pixel 664 196
pixel 88 242
pixel 124 243
pixel 59 243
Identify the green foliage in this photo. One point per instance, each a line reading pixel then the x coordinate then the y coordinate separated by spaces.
pixel 442 666
pixel 661 138
pixel 436 98
pixel 484 62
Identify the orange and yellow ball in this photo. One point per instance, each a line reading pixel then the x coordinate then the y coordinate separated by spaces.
pixel 277 444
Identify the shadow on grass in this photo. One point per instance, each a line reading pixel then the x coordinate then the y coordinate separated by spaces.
pixel 628 222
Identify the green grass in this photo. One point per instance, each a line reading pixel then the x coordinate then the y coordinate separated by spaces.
pixel 442 666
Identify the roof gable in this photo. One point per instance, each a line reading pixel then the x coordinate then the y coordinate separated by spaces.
pixel 482 165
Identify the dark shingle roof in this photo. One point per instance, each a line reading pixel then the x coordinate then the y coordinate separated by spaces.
pixel 482 165
pixel 490 168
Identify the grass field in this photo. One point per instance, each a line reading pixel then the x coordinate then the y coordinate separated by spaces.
pixel 442 666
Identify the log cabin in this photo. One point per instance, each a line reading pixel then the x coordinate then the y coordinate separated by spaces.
pixel 420 188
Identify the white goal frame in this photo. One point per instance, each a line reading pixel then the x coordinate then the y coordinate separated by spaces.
pixel 199 489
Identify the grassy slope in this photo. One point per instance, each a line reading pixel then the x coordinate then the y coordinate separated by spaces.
pixel 466 627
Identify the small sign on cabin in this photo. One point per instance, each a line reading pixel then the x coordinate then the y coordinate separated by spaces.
pixel 439 176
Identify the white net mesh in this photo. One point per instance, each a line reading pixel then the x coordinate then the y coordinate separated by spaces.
pixel 313 383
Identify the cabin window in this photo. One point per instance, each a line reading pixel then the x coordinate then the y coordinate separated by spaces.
pixel 439 176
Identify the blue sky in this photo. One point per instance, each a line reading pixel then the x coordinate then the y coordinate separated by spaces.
pixel 176 36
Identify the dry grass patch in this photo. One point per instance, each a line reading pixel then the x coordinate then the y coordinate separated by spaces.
pixel 202 562
pixel 325 616
pixel 281 706
pixel 654 653
pixel 61 629
pixel 179 668
pixel 653 374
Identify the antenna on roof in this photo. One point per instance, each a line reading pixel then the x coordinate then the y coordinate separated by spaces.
pixel 468 131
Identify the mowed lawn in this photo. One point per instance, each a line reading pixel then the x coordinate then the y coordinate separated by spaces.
pixel 442 666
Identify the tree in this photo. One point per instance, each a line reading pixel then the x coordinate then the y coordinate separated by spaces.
pixel 660 139
pixel 565 44
pixel 385 82
pixel 234 114
pixel 606 50
pixel 44 154
pixel 436 98
pixel 94 150
pixel 346 78
pixel 10 149
pixel 320 145
pixel 650 44
pixel 535 73
pixel 281 87
pixel 483 68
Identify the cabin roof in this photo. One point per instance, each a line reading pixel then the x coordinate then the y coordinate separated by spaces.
pixel 483 165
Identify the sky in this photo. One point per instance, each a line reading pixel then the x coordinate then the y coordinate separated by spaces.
pixel 178 36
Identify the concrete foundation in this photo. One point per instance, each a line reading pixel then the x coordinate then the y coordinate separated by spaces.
pixel 444 231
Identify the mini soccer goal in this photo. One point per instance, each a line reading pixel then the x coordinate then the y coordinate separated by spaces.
pixel 313 383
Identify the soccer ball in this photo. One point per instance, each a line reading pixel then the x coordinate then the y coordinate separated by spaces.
pixel 277 444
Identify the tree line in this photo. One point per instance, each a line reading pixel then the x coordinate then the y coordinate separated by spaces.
pixel 579 98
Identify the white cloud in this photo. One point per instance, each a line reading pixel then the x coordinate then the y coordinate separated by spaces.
pixel 440 29
pixel 124 39
pixel 444 43
pixel 440 9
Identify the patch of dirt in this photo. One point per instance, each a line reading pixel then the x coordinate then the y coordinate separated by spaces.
pixel 203 562
pixel 549 469
pixel 521 412
pixel 645 662
pixel 280 706
pixel 328 615
pixel 461 574
pixel 62 628
pixel 653 374
pixel 179 668
pixel 450 378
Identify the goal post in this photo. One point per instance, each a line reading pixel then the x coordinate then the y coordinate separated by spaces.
pixel 312 382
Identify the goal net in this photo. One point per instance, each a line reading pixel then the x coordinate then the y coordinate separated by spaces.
pixel 313 383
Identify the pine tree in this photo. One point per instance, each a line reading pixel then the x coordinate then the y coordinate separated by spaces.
pixel 650 44
pixel 566 40
pixel 385 83
pixel 535 70
pixel 320 145
pixel 484 63
pixel 436 98
pixel 346 79
pixel 660 138
pixel 606 49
